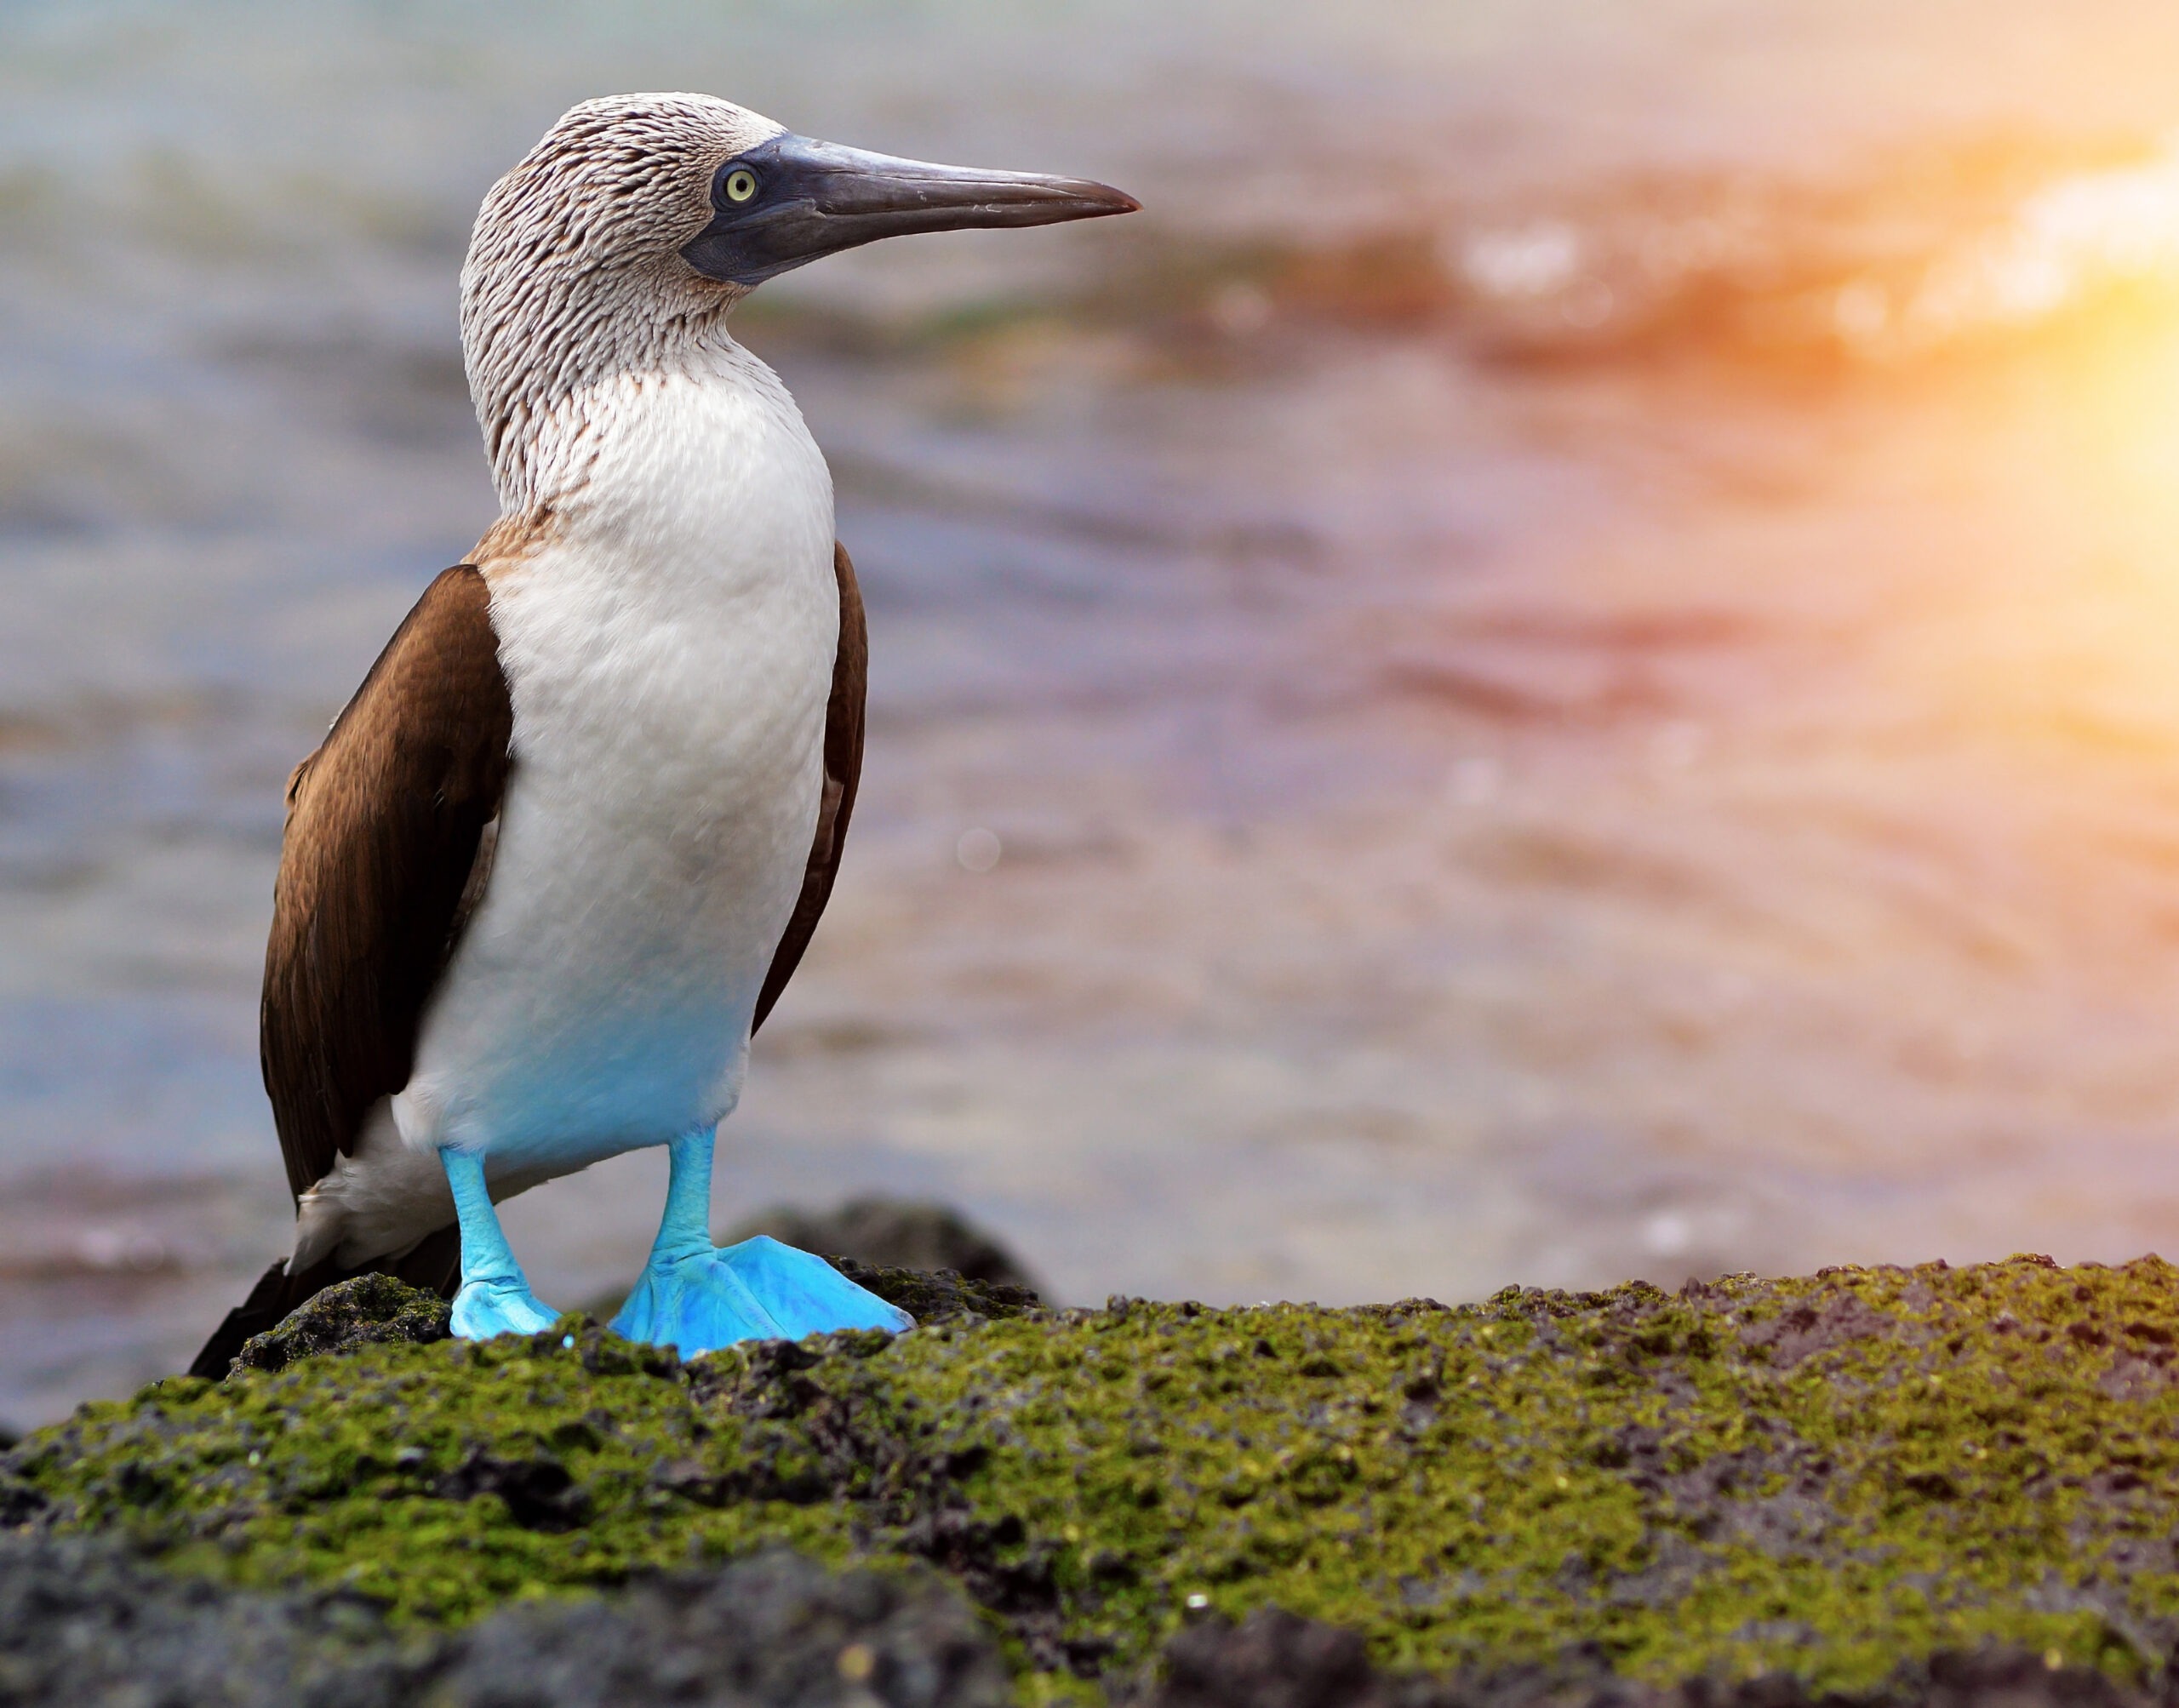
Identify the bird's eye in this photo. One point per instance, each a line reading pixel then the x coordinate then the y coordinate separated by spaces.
pixel 740 185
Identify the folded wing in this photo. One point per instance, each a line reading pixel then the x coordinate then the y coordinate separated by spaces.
pixel 843 770
pixel 387 845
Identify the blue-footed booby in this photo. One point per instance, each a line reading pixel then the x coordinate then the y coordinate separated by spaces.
pixel 553 863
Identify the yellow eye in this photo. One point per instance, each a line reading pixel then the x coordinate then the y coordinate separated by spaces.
pixel 741 184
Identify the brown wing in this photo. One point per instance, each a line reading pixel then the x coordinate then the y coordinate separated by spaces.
pixel 843 769
pixel 379 869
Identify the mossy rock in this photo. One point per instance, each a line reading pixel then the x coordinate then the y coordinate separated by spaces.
pixel 932 1296
pixel 369 1310
pixel 1824 1480
pixel 84 1624
pixel 377 1310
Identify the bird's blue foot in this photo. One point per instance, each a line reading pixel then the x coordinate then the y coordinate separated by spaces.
pixel 700 1300
pixel 494 1297
pixel 497 1306
pixel 697 1298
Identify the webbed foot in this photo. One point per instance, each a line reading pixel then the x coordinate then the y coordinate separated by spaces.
pixel 494 1297
pixel 697 1300
pixel 498 1305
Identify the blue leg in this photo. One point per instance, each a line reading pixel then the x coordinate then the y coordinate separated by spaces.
pixel 494 1298
pixel 697 1298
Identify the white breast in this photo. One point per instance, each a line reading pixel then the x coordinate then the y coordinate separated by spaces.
pixel 669 653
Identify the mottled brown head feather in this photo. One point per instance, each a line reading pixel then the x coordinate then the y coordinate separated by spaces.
pixel 574 273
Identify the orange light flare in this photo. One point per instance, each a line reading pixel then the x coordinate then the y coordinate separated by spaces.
pixel 2049 346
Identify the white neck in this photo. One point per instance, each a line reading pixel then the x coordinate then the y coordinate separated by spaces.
pixel 544 439
pixel 705 463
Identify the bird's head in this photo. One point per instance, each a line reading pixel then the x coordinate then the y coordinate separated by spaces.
pixel 639 221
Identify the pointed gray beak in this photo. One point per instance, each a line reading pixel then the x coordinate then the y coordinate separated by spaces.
pixel 793 199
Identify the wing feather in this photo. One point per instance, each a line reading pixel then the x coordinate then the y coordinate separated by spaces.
pixel 843 713
pixel 379 867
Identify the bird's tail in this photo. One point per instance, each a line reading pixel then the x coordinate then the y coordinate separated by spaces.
pixel 433 1263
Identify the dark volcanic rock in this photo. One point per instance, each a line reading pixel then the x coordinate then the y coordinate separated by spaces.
pixel 939 1295
pixel 85 1624
pixel 370 1310
pixel 539 1492
pixel 846 1447
pixel 1275 1660
pixel 775 1629
pixel 893 1233
pixel 1271 1659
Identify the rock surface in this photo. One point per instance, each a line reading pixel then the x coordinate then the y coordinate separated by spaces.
pixel 1272 1660
pixel 1865 1483
pixel 776 1629
pixel 370 1310
pixel 939 1295
pixel 377 1310
pixel 84 1624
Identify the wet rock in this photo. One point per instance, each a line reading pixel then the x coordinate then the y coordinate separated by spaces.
pixel 369 1310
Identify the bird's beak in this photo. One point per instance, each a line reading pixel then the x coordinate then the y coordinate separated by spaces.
pixel 794 198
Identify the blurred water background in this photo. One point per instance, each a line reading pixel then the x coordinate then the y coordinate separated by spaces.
pixel 1558 665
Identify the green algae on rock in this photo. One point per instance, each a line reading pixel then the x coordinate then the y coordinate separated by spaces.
pixel 84 1624
pixel 1827 1477
pixel 939 1295
pixel 369 1310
